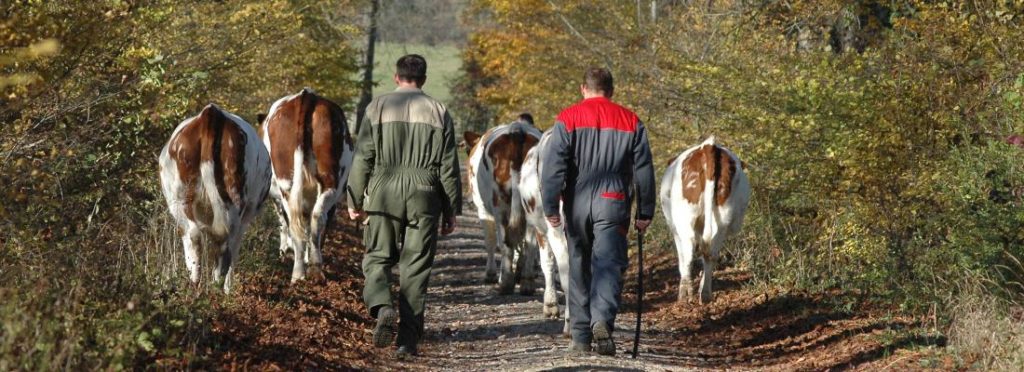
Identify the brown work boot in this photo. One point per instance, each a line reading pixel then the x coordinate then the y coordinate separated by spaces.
pixel 603 339
pixel 579 348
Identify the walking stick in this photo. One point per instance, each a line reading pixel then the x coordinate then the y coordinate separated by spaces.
pixel 639 289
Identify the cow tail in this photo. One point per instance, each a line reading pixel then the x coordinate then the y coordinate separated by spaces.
pixel 712 173
pixel 296 200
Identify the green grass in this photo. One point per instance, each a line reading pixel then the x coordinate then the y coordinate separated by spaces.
pixel 443 62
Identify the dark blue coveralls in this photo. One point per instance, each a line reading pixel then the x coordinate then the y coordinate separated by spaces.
pixel 596 150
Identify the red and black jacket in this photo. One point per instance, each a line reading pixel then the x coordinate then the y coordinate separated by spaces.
pixel 596 150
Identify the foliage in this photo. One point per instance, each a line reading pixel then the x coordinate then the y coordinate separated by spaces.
pixel 874 130
pixel 82 129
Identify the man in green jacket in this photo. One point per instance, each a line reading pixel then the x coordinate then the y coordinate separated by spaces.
pixel 405 176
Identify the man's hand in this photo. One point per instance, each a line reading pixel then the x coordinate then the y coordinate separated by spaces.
pixel 641 225
pixel 555 221
pixel 448 225
pixel 356 214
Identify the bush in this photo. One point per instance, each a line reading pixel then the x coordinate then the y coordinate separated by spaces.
pixel 90 270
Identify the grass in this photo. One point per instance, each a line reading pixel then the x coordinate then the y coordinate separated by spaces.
pixel 985 330
pixel 443 64
pixel 114 300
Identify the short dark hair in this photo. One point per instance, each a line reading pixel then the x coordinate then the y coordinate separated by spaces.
pixel 526 117
pixel 599 79
pixel 412 67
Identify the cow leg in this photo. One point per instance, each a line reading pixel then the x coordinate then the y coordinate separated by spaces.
pixel 547 266
pixel 491 241
pixel 230 258
pixel 710 261
pixel 190 239
pixel 711 256
pixel 324 203
pixel 282 218
pixel 217 256
pixel 560 251
pixel 686 244
pixel 506 278
pixel 528 268
pixel 298 263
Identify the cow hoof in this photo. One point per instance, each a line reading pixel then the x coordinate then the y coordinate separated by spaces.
pixel 526 290
pixel 565 330
pixel 706 298
pixel 491 279
pixel 551 311
pixel 315 274
pixel 685 293
pixel 505 289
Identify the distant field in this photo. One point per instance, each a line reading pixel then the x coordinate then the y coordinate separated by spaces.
pixel 443 64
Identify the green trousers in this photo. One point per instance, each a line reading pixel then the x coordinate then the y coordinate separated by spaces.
pixel 402 231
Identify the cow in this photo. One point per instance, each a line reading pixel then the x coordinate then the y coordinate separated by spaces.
pixel 551 242
pixel 704 195
pixel 215 175
pixel 311 154
pixel 495 160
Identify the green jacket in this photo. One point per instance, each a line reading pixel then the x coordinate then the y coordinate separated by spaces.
pixel 405 146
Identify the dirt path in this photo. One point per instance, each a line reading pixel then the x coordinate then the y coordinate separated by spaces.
pixel 273 325
pixel 471 327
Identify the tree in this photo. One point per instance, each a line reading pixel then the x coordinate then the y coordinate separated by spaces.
pixel 366 94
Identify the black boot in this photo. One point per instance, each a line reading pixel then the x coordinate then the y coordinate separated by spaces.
pixel 406 351
pixel 384 333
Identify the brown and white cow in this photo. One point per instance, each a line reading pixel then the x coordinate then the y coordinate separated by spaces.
pixel 704 195
pixel 551 242
pixel 215 174
pixel 495 161
pixel 311 154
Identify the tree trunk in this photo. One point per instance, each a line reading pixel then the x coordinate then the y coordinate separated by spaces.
pixel 367 84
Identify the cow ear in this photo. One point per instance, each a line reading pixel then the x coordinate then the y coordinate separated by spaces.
pixel 260 118
pixel 471 138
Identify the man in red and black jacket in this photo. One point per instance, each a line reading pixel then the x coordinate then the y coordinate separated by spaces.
pixel 596 150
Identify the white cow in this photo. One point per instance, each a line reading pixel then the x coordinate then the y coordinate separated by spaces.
pixel 704 195
pixel 551 241
pixel 311 154
pixel 494 165
pixel 214 173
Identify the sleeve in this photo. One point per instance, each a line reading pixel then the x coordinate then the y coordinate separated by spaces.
pixel 362 165
pixel 643 168
pixel 554 168
pixel 451 176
